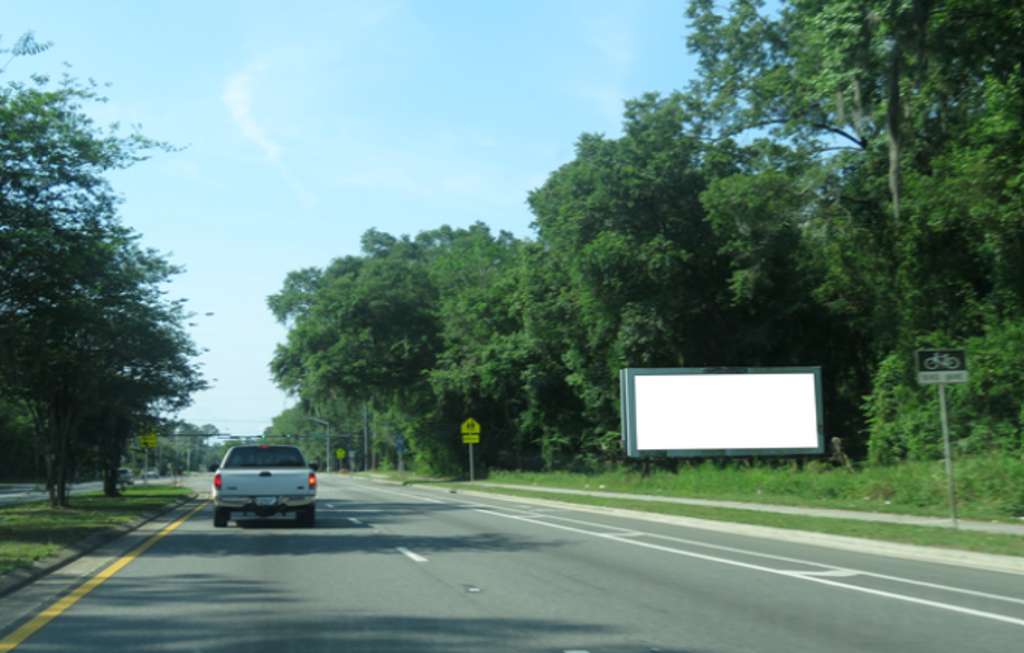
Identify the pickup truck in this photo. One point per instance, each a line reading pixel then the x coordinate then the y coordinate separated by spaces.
pixel 264 480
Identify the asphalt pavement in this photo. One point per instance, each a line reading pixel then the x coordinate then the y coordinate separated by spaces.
pixel 18 492
pixel 403 569
pixel 31 492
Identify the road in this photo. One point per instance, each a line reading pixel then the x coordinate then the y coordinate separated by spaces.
pixel 19 492
pixel 402 570
pixel 29 492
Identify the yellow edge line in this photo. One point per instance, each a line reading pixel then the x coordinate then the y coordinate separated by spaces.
pixel 46 616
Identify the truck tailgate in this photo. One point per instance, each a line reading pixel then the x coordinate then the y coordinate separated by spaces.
pixel 265 482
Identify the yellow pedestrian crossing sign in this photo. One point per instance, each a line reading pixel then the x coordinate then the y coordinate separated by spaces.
pixel 470 427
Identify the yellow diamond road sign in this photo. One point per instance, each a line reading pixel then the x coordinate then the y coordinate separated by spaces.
pixel 147 440
pixel 471 427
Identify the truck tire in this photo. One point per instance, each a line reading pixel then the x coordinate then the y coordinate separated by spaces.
pixel 221 517
pixel 306 517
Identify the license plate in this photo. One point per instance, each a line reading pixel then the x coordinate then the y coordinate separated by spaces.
pixel 266 501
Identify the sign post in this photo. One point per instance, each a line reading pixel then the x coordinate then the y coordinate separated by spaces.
pixel 400 448
pixel 939 367
pixel 470 436
pixel 147 441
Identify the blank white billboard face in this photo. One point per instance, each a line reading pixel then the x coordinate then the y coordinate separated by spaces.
pixel 726 411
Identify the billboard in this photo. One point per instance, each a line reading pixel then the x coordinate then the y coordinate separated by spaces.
pixel 735 411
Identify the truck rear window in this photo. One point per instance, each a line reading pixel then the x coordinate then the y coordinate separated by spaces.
pixel 264 457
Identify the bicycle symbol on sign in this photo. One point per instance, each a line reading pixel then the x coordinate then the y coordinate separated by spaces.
pixel 941 360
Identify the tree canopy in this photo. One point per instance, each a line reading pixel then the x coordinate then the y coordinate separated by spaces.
pixel 839 186
pixel 89 346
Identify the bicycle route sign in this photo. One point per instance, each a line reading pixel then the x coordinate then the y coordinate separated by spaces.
pixel 936 366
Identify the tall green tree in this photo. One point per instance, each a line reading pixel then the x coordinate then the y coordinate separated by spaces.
pixel 900 124
pixel 81 310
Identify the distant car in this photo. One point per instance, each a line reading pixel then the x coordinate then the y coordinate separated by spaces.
pixel 125 476
pixel 151 473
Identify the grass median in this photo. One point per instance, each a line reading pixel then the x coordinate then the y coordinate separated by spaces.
pixel 32 530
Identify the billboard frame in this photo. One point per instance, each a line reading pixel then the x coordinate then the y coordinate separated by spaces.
pixel 628 402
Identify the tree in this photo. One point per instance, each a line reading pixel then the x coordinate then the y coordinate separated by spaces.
pixel 85 333
pixel 646 283
pixel 899 129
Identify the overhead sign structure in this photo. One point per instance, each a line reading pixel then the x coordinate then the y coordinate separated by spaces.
pixel 935 366
pixel 735 411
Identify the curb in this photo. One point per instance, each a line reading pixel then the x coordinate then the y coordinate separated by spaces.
pixel 16 579
pixel 955 557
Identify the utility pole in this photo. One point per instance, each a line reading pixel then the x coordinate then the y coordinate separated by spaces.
pixel 366 438
pixel 327 452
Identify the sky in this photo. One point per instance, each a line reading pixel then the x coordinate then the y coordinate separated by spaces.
pixel 302 125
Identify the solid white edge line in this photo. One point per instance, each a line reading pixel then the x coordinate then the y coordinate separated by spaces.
pixel 778 572
pixel 831 569
pixel 967 559
pixel 410 554
pixel 719 547
pixel 813 579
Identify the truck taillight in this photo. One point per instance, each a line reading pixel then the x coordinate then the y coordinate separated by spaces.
pixel 312 480
pixel 216 481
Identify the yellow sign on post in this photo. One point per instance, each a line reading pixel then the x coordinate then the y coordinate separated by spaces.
pixel 340 453
pixel 148 440
pixel 471 436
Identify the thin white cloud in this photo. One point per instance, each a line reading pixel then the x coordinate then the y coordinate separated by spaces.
pixel 238 97
pixel 238 94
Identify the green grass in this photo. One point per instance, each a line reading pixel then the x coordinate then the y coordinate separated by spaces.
pixel 989 488
pixel 905 534
pixel 31 531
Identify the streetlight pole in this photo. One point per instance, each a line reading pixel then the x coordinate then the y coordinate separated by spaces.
pixel 327 452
